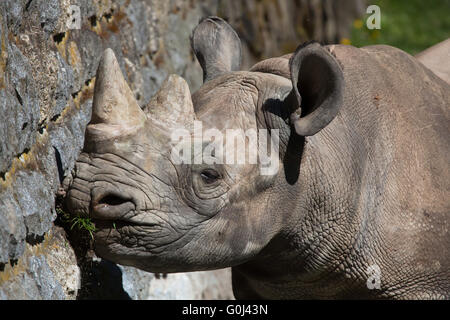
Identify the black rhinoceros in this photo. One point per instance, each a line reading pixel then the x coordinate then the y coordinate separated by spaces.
pixel 357 208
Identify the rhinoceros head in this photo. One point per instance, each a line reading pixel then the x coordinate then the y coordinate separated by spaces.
pixel 162 215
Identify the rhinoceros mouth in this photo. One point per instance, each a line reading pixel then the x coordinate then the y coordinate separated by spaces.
pixel 119 224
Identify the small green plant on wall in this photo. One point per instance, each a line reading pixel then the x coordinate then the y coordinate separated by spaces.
pixel 84 224
pixel 81 223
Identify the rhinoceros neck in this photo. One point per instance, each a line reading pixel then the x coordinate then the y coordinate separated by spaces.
pixel 365 189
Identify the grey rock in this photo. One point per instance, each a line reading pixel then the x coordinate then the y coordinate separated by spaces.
pixel 12 228
pixel 64 86
pixel 8 143
pixel 65 144
pixel 136 282
pixel 61 260
pixel 36 202
pixel 178 37
pixel 138 13
pixel 68 139
pixel 141 285
pixel 91 48
pixel 48 287
pixel 45 271
pixel 146 80
pixel 14 10
pixel 23 288
pixel 19 106
pixel 49 12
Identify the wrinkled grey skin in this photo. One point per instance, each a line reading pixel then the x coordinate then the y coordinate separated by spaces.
pixel 363 179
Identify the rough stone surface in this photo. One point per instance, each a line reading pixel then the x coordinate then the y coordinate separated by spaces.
pixel 47 76
pixel 47 270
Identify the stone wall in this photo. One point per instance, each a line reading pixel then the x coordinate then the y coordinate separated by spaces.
pixel 270 28
pixel 47 74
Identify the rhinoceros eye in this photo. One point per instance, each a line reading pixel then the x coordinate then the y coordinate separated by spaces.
pixel 209 176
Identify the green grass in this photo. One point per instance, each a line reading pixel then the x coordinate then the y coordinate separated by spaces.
pixel 411 25
pixel 82 223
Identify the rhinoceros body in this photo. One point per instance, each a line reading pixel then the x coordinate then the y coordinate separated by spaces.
pixel 359 207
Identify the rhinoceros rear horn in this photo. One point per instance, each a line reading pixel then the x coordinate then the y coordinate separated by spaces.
pixel 217 47
pixel 115 110
pixel 318 83
pixel 172 106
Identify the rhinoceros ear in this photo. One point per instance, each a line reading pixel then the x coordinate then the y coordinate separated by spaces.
pixel 217 47
pixel 318 83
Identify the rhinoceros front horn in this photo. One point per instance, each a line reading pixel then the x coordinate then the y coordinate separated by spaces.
pixel 115 110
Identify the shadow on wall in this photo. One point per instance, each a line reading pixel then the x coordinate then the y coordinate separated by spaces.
pixel 106 280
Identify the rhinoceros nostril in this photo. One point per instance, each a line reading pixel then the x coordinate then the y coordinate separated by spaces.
pixel 111 206
pixel 112 200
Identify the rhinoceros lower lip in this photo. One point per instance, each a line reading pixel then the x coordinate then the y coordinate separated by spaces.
pixel 107 216
pixel 104 211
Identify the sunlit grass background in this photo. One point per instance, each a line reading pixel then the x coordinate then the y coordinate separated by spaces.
pixel 411 25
